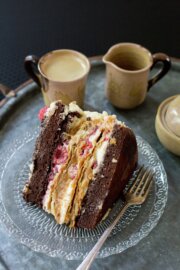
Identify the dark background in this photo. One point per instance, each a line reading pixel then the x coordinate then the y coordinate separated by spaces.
pixel 35 27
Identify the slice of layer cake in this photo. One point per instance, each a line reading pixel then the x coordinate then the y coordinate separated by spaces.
pixel 81 164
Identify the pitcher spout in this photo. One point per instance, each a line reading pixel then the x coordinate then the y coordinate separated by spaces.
pixel 106 58
pixel 111 55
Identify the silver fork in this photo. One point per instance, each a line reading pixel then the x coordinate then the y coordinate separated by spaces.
pixel 136 194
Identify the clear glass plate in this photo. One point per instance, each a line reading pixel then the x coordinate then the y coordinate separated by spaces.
pixel 36 229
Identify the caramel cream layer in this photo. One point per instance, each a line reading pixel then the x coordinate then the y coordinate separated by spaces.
pixel 81 149
pixel 89 137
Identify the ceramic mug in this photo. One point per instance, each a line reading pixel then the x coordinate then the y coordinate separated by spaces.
pixel 61 74
pixel 127 71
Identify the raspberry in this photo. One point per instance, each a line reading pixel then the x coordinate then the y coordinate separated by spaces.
pixel 95 164
pixel 86 148
pixel 51 176
pixel 60 155
pixel 93 131
pixel 73 171
pixel 89 145
pixel 42 112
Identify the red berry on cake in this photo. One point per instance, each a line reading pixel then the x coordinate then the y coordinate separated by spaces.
pixel 41 113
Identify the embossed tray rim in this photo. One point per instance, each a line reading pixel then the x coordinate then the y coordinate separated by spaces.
pixel 24 90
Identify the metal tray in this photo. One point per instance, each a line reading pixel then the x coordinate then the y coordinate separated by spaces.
pixel 18 111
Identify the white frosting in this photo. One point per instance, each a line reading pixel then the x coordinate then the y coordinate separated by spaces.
pixel 93 115
pixel 106 117
pixel 31 169
pixel 114 160
pixel 73 107
pixel 121 123
pixel 47 197
pixel 65 201
pixel 99 206
pixel 51 110
pixel 94 136
pixel 100 153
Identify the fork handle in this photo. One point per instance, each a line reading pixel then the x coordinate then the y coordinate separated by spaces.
pixel 94 251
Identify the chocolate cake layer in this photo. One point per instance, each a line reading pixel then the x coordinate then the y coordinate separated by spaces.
pixel 81 164
pixel 46 143
pixel 119 163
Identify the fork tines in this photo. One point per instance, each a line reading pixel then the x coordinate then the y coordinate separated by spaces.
pixel 142 182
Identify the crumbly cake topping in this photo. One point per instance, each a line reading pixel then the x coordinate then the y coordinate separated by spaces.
pixel 51 110
pixel 73 107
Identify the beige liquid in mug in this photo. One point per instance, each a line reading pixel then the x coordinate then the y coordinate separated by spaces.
pixel 63 67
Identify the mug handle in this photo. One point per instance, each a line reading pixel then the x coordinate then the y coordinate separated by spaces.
pixel 159 57
pixel 31 67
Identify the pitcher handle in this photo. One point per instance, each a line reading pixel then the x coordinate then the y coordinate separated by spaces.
pixel 159 57
pixel 31 67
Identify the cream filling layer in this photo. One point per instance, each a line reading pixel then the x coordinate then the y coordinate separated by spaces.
pixel 63 195
pixel 59 194
pixel 47 197
pixel 93 166
pixel 72 107
pixel 100 153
